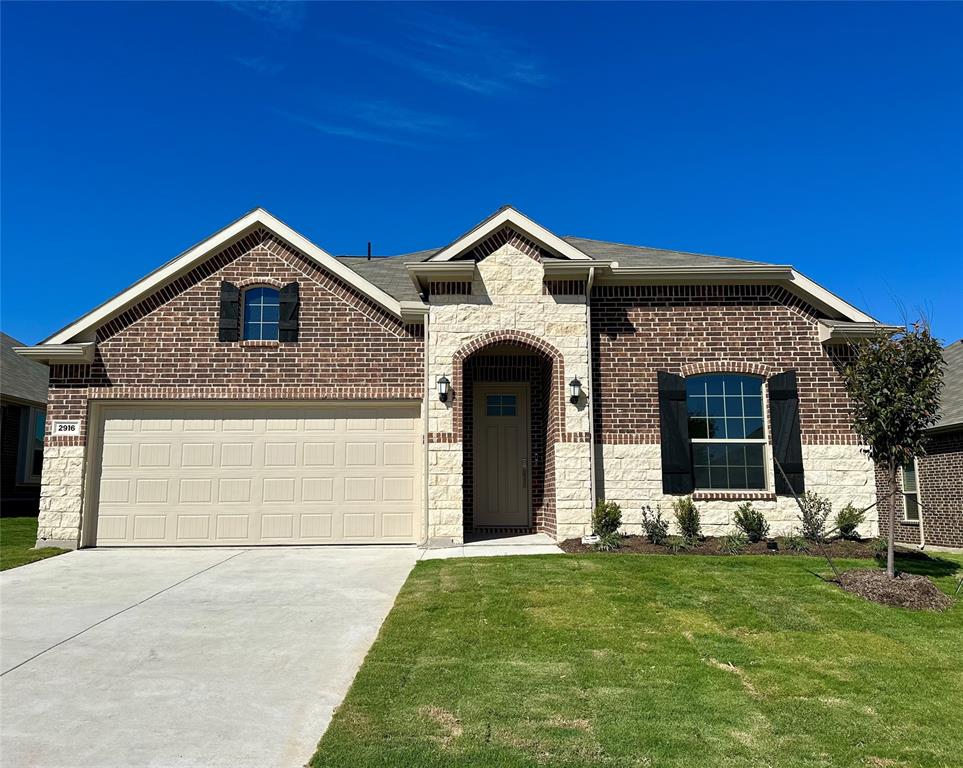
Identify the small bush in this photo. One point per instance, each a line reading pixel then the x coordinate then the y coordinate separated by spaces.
pixel 751 522
pixel 848 520
pixel 880 548
pixel 815 511
pixel 687 516
pixel 606 518
pixel 733 544
pixel 795 543
pixel 608 542
pixel 655 526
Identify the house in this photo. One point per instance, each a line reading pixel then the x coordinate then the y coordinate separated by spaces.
pixel 930 501
pixel 23 404
pixel 256 389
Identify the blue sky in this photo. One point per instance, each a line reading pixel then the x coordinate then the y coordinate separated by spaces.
pixel 826 136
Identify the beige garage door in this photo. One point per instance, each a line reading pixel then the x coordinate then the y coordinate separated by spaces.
pixel 241 474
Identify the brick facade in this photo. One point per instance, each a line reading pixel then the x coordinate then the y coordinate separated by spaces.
pixel 940 484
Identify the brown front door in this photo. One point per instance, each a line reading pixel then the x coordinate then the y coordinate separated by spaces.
pixel 502 466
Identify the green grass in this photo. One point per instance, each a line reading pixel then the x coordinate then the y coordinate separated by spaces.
pixel 661 661
pixel 17 537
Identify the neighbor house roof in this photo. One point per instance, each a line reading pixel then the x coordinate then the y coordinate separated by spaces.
pixel 20 378
pixel 951 404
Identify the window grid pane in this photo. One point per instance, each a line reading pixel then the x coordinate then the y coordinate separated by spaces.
pixel 261 314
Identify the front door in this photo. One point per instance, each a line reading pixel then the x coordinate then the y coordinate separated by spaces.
pixel 501 461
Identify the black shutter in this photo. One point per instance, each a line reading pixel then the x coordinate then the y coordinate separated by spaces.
pixel 288 324
pixel 674 428
pixel 230 321
pixel 786 436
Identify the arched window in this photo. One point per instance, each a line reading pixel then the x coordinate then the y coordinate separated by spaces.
pixel 727 431
pixel 261 313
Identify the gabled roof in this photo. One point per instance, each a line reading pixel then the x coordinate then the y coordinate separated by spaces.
pixel 208 247
pixel 951 403
pixel 20 378
pixel 638 255
pixel 508 216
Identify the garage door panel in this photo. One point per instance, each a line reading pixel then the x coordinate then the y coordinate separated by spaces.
pixel 221 474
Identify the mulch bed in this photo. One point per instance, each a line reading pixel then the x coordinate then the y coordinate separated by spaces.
pixel 840 548
pixel 907 590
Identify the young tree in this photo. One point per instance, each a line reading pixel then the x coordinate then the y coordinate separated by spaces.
pixel 894 383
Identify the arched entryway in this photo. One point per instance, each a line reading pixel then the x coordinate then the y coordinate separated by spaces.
pixel 508 414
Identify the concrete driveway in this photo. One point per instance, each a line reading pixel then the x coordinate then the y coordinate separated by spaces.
pixel 186 657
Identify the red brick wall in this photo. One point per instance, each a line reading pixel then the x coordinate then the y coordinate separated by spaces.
pixel 166 347
pixel 639 330
pixel 940 481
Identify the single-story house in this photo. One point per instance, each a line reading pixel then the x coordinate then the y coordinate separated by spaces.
pixel 23 405
pixel 256 389
pixel 930 500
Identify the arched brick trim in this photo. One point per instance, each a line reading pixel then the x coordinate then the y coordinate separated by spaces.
pixel 725 366
pixel 270 282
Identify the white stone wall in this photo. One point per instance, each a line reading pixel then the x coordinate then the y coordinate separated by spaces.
pixel 61 495
pixel 507 296
pixel 632 477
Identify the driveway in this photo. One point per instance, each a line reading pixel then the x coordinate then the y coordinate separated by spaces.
pixel 186 657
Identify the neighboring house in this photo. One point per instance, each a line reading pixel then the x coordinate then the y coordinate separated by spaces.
pixel 930 503
pixel 23 400
pixel 258 390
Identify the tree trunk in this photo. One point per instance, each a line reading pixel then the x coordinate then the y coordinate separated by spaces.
pixel 893 500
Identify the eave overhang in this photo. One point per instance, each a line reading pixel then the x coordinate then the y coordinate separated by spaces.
pixel 60 354
pixel 836 332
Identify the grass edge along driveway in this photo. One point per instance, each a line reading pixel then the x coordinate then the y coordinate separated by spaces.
pixel 659 661
pixel 17 537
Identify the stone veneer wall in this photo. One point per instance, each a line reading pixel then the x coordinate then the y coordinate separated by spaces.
pixel 166 348
pixel 508 305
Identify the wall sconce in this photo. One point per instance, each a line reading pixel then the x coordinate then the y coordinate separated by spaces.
pixel 574 390
pixel 443 385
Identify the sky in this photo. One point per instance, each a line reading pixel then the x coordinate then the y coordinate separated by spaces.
pixel 826 136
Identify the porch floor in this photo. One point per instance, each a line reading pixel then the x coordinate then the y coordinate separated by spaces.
pixel 528 544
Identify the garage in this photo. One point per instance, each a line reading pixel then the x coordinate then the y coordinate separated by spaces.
pixel 229 474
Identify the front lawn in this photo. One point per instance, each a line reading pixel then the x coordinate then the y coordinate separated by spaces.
pixel 658 661
pixel 17 537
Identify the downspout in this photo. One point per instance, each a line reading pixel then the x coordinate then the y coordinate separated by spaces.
pixel 588 379
pixel 424 408
pixel 919 502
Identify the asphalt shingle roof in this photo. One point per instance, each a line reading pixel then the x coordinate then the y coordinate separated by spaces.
pixel 951 405
pixel 21 378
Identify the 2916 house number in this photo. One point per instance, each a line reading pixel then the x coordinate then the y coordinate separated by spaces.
pixel 65 428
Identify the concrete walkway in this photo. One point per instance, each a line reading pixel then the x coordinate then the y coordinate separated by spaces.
pixel 179 658
pixel 532 544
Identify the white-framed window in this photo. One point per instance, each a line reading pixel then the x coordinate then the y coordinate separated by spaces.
pixel 727 431
pixel 262 308
pixel 911 494
pixel 32 428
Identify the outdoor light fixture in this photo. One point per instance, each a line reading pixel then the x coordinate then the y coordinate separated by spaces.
pixel 443 388
pixel 574 390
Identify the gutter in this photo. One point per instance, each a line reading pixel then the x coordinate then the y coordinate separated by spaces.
pixel 81 353
pixel 588 380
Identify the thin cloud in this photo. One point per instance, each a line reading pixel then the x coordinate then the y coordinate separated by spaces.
pixel 341 130
pixel 260 64
pixel 452 52
pixel 281 14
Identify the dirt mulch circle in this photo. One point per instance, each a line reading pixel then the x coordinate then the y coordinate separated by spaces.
pixel 840 548
pixel 907 590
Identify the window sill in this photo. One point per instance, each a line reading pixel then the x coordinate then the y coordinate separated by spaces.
pixel 733 496
pixel 913 523
pixel 260 343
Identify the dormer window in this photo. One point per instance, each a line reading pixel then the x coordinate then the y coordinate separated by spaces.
pixel 262 307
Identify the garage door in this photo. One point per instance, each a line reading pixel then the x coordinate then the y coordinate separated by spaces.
pixel 240 474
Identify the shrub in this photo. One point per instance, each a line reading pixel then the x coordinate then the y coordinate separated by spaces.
pixel 813 515
pixel 880 547
pixel 795 543
pixel 733 544
pixel 848 520
pixel 687 516
pixel 608 542
pixel 751 522
pixel 606 518
pixel 655 526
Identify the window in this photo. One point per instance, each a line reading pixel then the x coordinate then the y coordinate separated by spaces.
pixel 500 405
pixel 261 313
pixel 727 432
pixel 911 495
pixel 31 452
